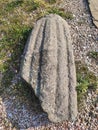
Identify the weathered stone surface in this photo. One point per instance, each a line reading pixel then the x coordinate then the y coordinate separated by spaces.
pixel 93 4
pixel 48 65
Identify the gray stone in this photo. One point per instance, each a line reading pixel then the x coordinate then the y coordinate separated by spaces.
pixel 48 66
pixel 93 4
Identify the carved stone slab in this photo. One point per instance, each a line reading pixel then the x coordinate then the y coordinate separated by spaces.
pixel 93 4
pixel 48 66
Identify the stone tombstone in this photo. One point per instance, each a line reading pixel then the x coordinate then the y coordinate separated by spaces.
pixel 48 66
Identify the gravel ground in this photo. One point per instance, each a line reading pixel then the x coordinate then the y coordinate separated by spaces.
pixel 25 114
pixel 84 33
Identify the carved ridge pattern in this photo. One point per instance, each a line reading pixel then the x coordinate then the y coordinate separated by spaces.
pixel 48 65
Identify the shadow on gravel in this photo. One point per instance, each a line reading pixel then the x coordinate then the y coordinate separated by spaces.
pixel 86 2
pixel 22 107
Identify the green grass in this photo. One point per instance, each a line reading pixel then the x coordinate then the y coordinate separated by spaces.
pixel 14 45
pixel 86 80
pixel 93 54
pixel 10 6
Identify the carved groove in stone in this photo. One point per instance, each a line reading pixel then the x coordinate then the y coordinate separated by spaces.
pixel 48 65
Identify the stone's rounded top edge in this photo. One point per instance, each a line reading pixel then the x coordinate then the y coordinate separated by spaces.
pixel 52 16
